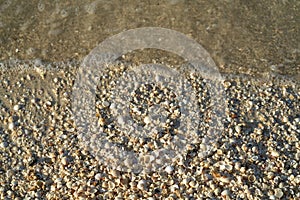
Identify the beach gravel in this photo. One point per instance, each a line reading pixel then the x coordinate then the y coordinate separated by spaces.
pixel 42 156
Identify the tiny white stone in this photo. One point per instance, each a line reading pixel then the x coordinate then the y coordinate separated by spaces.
pixel 169 169
pixel 3 144
pixel 141 184
pixel 33 100
pixel 222 167
pixel 48 103
pixel 278 193
pixel 147 120
pixel 121 120
pixel 272 197
pixel 173 188
pixel 203 147
pixel 224 179
pixel 64 161
pixel 225 193
pixel 285 119
pixel 274 153
pixel 11 126
pixel 113 106
pixel 135 109
pixel 105 104
pixel 16 107
pixel 69 185
pixel 98 176
pixel 273 67
pixel 238 128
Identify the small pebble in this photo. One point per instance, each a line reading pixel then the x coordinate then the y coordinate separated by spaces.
pixel 272 197
pixel 64 161
pixel 274 153
pixel 11 126
pixel 105 104
pixel 225 193
pixel 69 185
pixel 147 120
pixel 227 84
pixel 98 176
pixel 278 193
pixel 3 144
pixel 115 173
pixel 238 128
pixel 169 169
pixel 121 120
pixel 16 107
pixel 141 184
pixel 224 179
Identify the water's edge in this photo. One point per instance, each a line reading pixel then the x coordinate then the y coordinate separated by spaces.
pixel 21 65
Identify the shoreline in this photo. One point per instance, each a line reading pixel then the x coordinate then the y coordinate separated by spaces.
pixel 69 64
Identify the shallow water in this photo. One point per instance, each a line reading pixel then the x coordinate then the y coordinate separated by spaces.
pixel 254 38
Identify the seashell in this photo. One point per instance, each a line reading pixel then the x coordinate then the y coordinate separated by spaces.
pixel 252 178
pixel 193 184
pixel 141 184
pixel 147 120
pixel 274 153
pixel 169 169
pixel 225 193
pixel 185 181
pixel 278 193
pixel 98 176
pixel 115 173
pixel 224 179
pixel 238 128
pixel 11 126
pixel 173 188
pixel 65 161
